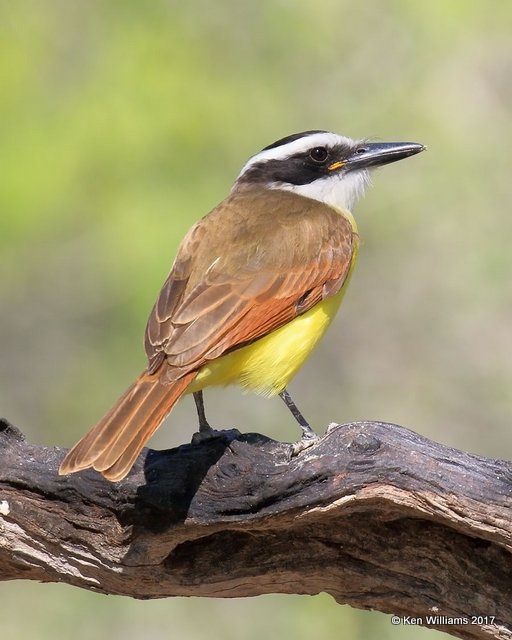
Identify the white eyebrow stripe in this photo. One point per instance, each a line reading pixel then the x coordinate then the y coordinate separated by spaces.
pixel 325 139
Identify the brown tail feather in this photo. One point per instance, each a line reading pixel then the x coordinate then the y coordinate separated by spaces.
pixel 114 443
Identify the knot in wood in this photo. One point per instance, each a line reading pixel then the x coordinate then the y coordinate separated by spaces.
pixel 364 443
pixel 9 432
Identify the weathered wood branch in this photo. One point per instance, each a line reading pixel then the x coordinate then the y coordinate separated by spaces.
pixel 373 514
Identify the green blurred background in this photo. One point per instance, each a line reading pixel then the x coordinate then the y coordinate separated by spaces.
pixel 123 122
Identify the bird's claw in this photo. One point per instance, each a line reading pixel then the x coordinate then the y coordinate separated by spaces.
pixel 303 443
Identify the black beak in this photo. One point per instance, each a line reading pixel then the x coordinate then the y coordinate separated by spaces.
pixel 373 154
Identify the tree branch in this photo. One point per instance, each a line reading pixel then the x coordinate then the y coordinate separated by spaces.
pixel 373 514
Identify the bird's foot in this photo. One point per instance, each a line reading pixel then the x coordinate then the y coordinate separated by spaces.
pixel 208 433
pixel 309 438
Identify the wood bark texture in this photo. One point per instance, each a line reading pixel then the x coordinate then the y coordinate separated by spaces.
pixel 373 514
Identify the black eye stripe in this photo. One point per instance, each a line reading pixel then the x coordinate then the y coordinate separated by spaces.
pixel 298 168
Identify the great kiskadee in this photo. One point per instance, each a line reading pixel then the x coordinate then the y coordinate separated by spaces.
pixel 253 288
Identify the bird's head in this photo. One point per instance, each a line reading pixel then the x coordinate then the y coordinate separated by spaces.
pixel 321 165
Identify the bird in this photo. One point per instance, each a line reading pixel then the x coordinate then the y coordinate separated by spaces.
pixel 254 286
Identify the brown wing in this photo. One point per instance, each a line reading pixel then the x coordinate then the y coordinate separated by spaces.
pixel 254 263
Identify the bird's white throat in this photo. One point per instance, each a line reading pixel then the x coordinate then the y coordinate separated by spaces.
pixel 340 191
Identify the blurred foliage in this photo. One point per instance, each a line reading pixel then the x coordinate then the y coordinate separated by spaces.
pixel 122 122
